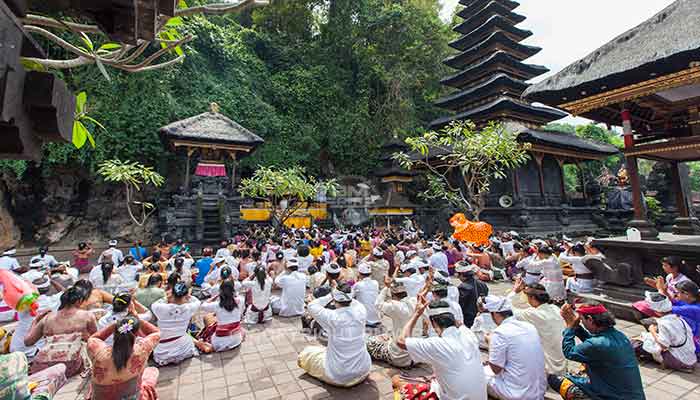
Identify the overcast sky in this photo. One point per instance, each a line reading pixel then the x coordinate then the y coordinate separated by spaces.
pixel 568 30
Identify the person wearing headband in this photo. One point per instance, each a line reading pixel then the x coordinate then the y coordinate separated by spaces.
pixel 470 290
pixel 46 260
pixel 174 315
pixel 686 305
pixel 411 279
pixel 9 262
pixel 380 266
pixel 366 291
pixel 546 318
pixel 669 341
pixel 516 368
pixel 123 363
pixel 394 303
pixel 438 259
pixel 345 362
pixel 122 306
pixel 453 355
pixel 612 371
pixel 290 303
pixel 112 254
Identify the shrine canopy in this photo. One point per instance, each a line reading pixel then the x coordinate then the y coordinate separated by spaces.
pixel 214 137
pixel 649 77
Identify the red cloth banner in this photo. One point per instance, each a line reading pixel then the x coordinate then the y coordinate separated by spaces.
pixel 205 169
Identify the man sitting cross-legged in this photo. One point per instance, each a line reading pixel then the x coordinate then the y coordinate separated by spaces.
pixel 345 362
pixel 453 355
pixel 515 369
pixel 613 373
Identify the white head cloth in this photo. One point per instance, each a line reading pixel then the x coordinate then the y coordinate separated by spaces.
pixel 340 296
pixel 364 268
pixel 658 302
pixel 497 304
pixel 377 252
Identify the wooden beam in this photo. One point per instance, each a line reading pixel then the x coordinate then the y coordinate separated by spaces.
pixel 216 146
pixel 686 77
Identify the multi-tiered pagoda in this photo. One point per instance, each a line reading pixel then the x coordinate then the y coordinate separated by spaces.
pixel 490 79
pixel 492 73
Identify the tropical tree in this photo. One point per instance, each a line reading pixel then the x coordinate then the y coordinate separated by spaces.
pixel 462 161
pixel 285 190
pixel 134 177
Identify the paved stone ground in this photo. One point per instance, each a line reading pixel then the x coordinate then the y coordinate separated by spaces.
pixel 264 368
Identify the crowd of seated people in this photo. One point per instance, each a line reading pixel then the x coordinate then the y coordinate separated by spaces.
pixel 161 303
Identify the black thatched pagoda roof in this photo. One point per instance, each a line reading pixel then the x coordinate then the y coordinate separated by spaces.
pixel 473 21
pixel 492 74
pixel 504 108
pixel 472 7
pixel 567 141
pixel 498 62
pixel 666 43
pixel 494 86
pixel 497 41
pixel 392 199
pixel 495 24
pixel 210 127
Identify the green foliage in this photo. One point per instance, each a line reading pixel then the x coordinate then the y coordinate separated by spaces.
pixel 286 190
pixel 694 168
pixel 654 209
pixel 591 169
pixel 324 83
pixel 17 167
pixel 462 161
pixel 80 130
pixel 133 176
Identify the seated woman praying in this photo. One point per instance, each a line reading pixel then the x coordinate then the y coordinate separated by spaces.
pixel 151 293
pixel 122 306
pixel 687 306
pixel 259 285
pixel 224 331
pixel 152 269
pixel 672 267
pixel 174 317
pixel 119 370
pixel 670 340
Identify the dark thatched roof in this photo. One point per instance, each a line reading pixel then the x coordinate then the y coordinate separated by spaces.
pixel 494 86
pixel 499 61
pixel 503 108
pixel 472 7
pixel 211 127
pixel 473 21
pixel 497 40
pixel 392 199
pixel 664 44
pixel 566 141
pixel 494 24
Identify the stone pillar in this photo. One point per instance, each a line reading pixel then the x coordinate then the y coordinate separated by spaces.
pixel 564 197
pixel 647 229
pixel 539 158
pixel 684 224
pixel 190 151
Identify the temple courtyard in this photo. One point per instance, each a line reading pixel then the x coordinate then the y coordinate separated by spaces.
pixel 264 368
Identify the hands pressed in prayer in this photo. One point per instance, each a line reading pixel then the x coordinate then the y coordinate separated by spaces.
pixel 571 318
pixel 421 305
pixel 387 281
pixel 650 281
pixel 519 284
pixel 661 286
pixel 487 338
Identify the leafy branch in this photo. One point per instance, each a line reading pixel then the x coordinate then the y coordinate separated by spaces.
pixel 133 176
pixel 462 161
pixel 121 56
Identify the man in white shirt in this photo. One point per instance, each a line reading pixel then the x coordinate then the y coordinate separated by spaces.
pixel 393 302
pixel 47 261
pixel 453 355
pixel 293 284
pixel 439 259
pixel 8 260
pixel 112 253
pixel 129 270
pixel 366 292
pixel 515 369
pixel 345 362
pixel 223 251
pixel 546 318
pixel 413 281
pixel 380 266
